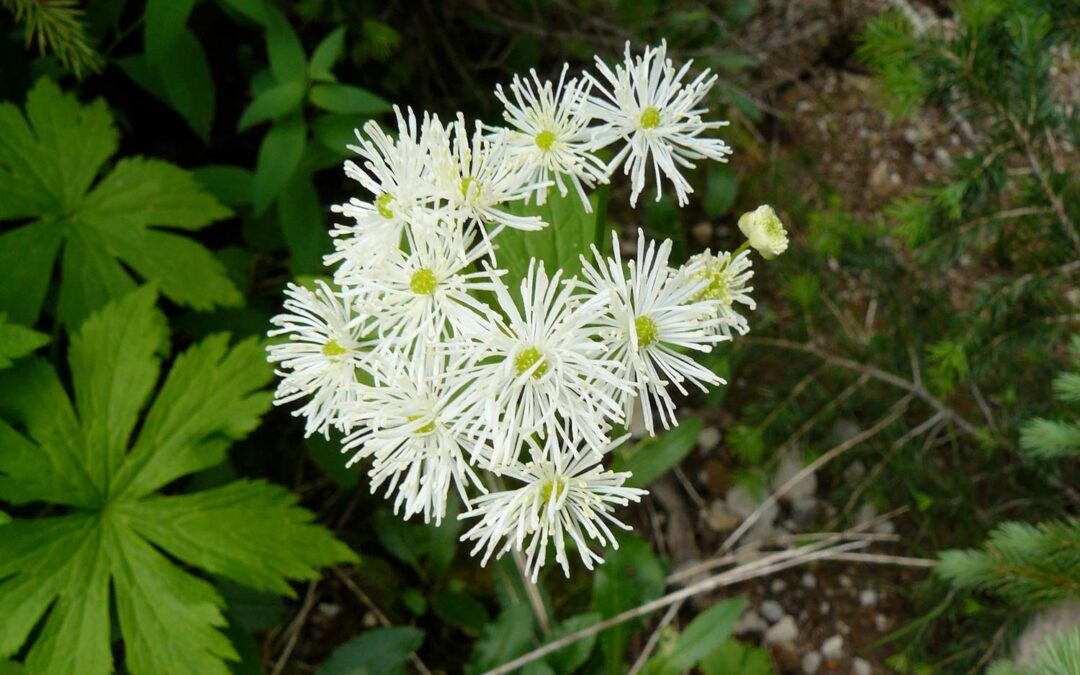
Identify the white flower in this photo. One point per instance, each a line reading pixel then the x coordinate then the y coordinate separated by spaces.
pixel 427 293
pixel 726 277
pixel 644 103
pixel 652 313
pixel 405 422
pixel 764 231
pixel 562 494
pixel 540 369
pixel 326 346
pixel 398 174
pixel 477 178
pixel 550 134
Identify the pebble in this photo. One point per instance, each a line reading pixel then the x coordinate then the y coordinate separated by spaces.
pixel 719 518
pixel 824 608
pixel 860 667
pixel 868 598
pixel 777 586
pixel 772 611
pixel 865 514
pixel 881 622
pixel 808 580
pixel 709 438
pixel 854 472
pixel 845 581
pixel 885 527
pixel 790 465
pixel 750 624
pixel 833 648
pixel 811 662
pixel 329 609
pixel 784 632
pixel 702 232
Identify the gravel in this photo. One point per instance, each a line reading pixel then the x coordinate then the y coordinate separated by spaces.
pixel 772 611
pixel 811 662
pixel 860 667
pixel 784 632
pixel 833 648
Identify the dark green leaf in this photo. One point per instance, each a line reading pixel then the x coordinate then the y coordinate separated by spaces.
pixel 504 639
pixel 164 20
pixel 302 223
pixel 327 454
pixel 188 83
pixel 17 341
pixel 273 104
pixel 279 155
pixel 326 55
pixel 631 576
pixel 735 657
pixel 337 131
pixel 651 458
pixel 230 184
pixel 570 232
pixel 457 608
pixel 375 652
pixel 254 10
pixel 706 633
pixel 346 99
pixel 28 253
pixel 721 188
pixel 574 655
pixel 287 60
pixel 252 610
pixel 398 537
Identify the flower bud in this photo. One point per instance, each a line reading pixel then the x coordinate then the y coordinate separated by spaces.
pixel 765 231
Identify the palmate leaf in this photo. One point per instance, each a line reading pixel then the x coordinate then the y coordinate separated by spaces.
pixel 85 454
pixel 17 341
pixel 49 159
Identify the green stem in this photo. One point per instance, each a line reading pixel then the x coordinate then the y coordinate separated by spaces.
pixel 745 245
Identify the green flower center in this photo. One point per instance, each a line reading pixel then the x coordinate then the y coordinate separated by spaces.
pixel 718 286
pixel 545 139
pixel 527 358
pixel 426 429
pixel 557 485
pixel 650 118
pixel 423 282
pixel 332 348
pixel 646 331
pixel 382 205
pixel 469 188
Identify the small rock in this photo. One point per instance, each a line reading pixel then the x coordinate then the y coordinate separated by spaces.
pixel 881 622
pixel 777 586
pixel 369 620
pixel 860 667
pixel 805 512
pixel 329 609
pixel 843 430
pixel 885 527
pixel 718 518
pixel 865 514
pixel 833 648
pixel 772 611
pixel 808 580
pixel 811 662
pixel 786 656
pixel 702 232
pixel 843 628
pixel 783 632
pixel 853 473
pixel 844 580
pixel 868 598
pixel 750 624
pixel 824 608
pixel 790 465
pixel 708 438
pixel 742 503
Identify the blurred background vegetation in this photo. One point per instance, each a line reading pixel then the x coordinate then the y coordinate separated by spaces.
pixel 923 156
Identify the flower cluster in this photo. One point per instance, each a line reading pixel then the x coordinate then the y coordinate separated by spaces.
pixel 440 376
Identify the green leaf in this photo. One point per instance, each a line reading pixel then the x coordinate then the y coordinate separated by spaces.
pixel 504 639
pixel 28 254
pixel 458 609
pixel 326 55
pixel 706 633
pixel 229 184
pixel 570 232
pixel 574 655
pixel 287 60
pixel 631 576
pixel 721 188
pixel 398 537
pixel 1050 439
pixel 17 341
pixel 188 84
pixel 56 572
pixel 336 132
pixel 62 146
pixel 4 520
pixel 346 99
pixel 302 224
pixel 279 155
pixel 252 610
pixel 163 22
pixel 254 10
pixel 327 454
pixel 652 457
pixel 735 657
pixel 383 650
pixel 273 104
